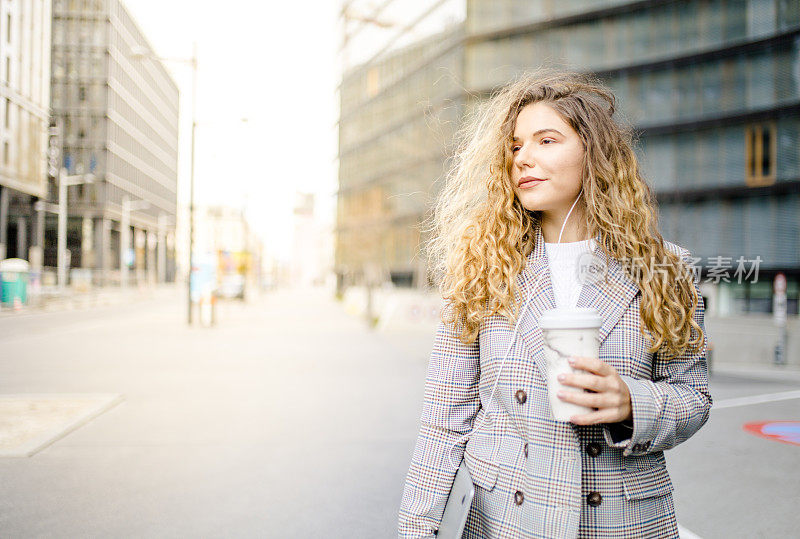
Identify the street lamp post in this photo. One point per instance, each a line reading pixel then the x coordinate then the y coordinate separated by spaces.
pixel 191 184
pixel 65 181
pixel 144 53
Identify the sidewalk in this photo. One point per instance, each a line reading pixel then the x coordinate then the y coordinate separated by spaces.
pixel 223 431
pixel 774 373
pixel 70 300
pixel 743 345
pixel 31 422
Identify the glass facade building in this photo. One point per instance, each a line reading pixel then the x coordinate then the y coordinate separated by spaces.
pixel 116 110
pixel 397 117
pixel 711 87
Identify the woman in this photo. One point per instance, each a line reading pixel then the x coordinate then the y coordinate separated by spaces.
pixel 544 178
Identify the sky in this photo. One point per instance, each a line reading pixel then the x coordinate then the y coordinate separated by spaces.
pixel 275 64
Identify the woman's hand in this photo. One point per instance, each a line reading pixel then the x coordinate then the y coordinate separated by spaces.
pixel 610 395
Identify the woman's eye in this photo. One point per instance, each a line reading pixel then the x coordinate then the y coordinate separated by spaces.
pixel 547 140
pixel 514 149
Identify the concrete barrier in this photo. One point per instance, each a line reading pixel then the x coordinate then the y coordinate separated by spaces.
pixel 397 310
pixel 406 311
pixel 751 339
pixel 744 340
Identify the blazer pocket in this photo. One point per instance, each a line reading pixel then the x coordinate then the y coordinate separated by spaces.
pixel 646 483
pixel 484 474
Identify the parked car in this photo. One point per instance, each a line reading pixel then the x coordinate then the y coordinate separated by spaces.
pixel 232 286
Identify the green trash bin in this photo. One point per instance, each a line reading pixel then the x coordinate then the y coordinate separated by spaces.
pixel 14 274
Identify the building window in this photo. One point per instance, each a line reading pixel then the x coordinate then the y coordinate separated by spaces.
pixel 82 93
pixel 7 117
pixel 5 153
pixel 760 154
pixel 8 28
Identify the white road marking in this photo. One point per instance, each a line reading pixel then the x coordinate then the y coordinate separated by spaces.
pixel 757 399
pixel 686 534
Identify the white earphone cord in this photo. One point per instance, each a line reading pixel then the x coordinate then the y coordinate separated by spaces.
pixel 564 224
pixel 494 387
pixel 508 351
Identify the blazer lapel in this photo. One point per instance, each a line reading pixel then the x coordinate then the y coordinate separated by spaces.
pixel 535 283
pixel 606 287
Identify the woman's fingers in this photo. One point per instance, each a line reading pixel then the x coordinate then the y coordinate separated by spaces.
pixel 592 400
pixel 607 392
pixel 608 408
pixel 591 382
pixel 600 416
pixel 592 364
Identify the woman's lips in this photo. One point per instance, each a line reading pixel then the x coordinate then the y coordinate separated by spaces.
pixel 529 181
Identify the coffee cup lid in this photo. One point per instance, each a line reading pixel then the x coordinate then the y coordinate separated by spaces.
pixel 575 318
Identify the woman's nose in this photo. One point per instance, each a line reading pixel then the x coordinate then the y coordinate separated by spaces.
pixel 524 158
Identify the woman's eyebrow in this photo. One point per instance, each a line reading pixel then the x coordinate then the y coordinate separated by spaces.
pixel 540 131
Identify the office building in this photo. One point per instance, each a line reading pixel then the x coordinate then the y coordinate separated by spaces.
pixel 401 95
pixel 116 110
pixel 312 252
pixel 712 89
pixel 24 117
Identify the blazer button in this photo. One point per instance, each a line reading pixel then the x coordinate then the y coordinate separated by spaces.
pixel 525 449
pixel 594 499
pixel 519 497
pixel 593 449
pixel 521 396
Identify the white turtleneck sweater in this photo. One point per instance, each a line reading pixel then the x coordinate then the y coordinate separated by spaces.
pixel 562 259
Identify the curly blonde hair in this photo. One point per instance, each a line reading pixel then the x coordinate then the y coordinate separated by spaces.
pixel 481 234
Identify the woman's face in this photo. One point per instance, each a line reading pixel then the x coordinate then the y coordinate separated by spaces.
pixel 547 165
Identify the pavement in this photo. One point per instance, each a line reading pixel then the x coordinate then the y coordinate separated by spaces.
pixel 287 419
pixel 728 482
pixel 70 299
pixel 29 423
pixel 291 418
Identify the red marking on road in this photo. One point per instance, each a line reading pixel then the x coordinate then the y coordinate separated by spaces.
pixel 787 432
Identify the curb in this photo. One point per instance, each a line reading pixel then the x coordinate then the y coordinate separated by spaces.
pixel 775 374
pixel 82 302
pixel 31 447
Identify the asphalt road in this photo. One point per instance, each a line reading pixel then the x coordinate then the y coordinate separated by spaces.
pixel 291 419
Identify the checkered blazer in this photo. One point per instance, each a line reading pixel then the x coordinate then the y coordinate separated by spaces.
pixel 534 476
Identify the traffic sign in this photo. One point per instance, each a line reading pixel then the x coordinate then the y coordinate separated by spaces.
pixel 779 283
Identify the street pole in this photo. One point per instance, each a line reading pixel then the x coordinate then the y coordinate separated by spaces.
pixel 191 182
pixel 779 317
pixel 61 251
pixel 65 181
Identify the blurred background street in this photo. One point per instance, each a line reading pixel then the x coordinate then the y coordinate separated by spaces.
pixel 288 419
pixel 291 418
pixel 216 308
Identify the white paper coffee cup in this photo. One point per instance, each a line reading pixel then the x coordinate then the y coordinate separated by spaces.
pixel 568 333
